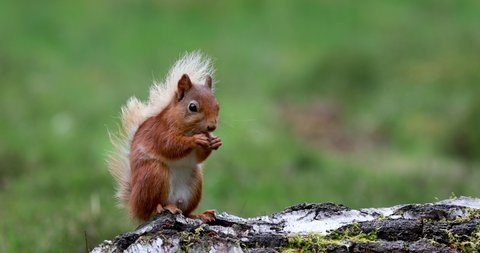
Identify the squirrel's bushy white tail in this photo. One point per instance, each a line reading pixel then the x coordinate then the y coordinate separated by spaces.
pixel 134 113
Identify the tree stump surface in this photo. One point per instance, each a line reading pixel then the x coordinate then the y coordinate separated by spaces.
pixel 451 225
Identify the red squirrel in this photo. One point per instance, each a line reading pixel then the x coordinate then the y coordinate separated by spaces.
pixel 162 143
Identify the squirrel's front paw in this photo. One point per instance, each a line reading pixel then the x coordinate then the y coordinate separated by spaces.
pixel 215 142
pixel 201 140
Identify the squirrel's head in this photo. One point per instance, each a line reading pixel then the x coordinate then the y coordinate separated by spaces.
pixel 196 106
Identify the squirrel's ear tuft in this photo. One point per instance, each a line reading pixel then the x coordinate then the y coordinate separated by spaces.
pixel 208 81
pixel 184 84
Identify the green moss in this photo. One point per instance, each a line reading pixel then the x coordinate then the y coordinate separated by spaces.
pixel 453 195
pixel 464 243
pixel 145 238
pixel 317 242
pixel 473 213
pixel 188 239
pixel 309 243
pixel 353 233
pixel 432 242
pixel 201 241
pixel 381 217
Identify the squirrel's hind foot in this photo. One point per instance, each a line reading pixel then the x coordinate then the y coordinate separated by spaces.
pixel 206 216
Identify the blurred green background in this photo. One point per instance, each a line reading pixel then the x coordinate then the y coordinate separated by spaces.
pixel 369 104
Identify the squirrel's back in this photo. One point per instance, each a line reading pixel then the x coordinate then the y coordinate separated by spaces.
pixel 135 112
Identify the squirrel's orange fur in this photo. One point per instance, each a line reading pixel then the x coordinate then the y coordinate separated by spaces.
pixel 159 153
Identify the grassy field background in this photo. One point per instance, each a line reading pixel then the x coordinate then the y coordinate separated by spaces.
pixel 368 104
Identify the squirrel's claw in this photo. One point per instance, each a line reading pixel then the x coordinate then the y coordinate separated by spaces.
pixel 207 216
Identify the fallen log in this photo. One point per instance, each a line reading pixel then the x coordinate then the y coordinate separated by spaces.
pixel 451 225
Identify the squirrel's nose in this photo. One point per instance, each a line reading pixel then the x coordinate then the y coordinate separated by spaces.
pixel 211 128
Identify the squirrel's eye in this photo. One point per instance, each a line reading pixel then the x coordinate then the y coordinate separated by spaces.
pixel 192 107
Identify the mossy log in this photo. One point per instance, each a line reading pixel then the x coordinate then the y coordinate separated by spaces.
pixel 451 225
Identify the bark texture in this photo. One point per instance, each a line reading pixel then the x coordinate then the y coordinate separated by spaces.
pixel 451 225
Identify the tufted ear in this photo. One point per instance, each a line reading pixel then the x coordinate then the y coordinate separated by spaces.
pixel 208 81
pixel 184 85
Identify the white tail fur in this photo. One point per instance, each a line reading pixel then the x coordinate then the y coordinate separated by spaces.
pixel 135 112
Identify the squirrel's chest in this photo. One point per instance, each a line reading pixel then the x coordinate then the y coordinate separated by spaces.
pixel 183 175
